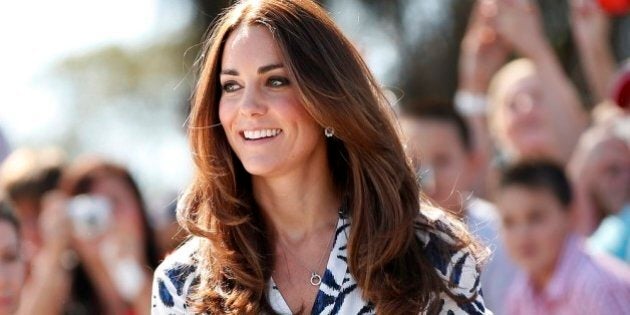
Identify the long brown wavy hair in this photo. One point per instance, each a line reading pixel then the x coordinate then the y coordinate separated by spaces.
pixel 367 161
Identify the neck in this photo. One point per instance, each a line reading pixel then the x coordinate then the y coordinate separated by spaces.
pixel 541 278
pixel 298 206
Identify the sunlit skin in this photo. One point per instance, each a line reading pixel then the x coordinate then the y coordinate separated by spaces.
pixel 437 146
pixel 534 228
pixel 12 269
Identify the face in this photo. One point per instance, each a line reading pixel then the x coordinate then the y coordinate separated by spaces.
pixel 265 123
pixel 12 270
pixel 443 158
pixel 611 162
pixel 523 119
pixel 534 227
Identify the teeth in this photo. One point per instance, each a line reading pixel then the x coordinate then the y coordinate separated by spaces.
pixel 261 133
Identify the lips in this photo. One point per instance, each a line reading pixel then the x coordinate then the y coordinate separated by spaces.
pixel 257 134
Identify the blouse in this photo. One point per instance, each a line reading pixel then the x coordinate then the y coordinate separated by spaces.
pixel 338 292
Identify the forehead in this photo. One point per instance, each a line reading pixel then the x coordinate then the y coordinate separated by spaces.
pixel 520 199
pixel 250 44
pixel 427 130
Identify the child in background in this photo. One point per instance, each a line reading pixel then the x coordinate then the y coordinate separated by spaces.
pixel 559 276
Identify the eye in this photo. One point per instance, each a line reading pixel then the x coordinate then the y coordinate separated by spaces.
pixel 230 86
pixel 277 81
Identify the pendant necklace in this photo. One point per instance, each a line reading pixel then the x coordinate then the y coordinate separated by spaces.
pixel 316 278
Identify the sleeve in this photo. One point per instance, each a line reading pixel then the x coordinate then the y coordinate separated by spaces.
pixel 172 281
pixel 464 275
pixel 457 267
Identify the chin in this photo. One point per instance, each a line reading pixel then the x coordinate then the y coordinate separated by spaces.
pixel 259 169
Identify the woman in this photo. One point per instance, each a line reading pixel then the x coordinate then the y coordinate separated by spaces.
pixel 12 264
pixel 303 200
pixel 103 264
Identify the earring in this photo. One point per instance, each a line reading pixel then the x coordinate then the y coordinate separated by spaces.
pixel 329 132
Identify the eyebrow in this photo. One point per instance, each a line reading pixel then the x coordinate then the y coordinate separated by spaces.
pixel 261 70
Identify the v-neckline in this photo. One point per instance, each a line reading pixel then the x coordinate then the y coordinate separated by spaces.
pixel 333 268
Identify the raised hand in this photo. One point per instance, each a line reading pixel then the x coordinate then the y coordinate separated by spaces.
pixel 519 23
pixel 482 51
pixel 591 32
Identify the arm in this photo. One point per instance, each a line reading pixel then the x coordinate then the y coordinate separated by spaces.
pixel 591 32
pixel 519 23
pixel 482 53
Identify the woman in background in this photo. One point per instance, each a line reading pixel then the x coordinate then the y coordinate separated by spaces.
pixel 99 250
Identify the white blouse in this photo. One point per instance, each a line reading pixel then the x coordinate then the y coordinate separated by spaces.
pixel 338 291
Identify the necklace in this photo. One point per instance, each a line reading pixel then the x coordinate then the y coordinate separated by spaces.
pixel 316 278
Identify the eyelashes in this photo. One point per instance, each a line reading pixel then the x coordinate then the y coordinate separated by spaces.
pixel 277 81
pixel 230 86
pixel 272 82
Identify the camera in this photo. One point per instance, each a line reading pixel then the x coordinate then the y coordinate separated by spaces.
pixel 90 215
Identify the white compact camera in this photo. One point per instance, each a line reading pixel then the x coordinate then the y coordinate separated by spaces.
pixel 90 215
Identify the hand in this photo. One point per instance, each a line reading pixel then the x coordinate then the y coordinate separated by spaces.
pixel 589 23
pixel 115 258
pixel 482 51
pixel 519 24
pixel 54 222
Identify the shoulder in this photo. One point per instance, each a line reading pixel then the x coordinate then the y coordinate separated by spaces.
pixel 173 278
pixel 605 286
pixel 456 259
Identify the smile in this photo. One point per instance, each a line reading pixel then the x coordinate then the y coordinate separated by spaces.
pixel 261 133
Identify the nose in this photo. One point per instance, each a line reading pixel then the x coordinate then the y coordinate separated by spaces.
pixel 252 103
pixel 523 103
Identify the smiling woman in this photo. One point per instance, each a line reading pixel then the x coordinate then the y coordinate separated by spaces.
pixel 304 201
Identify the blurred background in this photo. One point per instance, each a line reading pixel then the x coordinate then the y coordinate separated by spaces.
pixel 114 77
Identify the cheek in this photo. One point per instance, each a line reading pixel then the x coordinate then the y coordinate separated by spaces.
pixel 549 232
pixel 226 113
pixel 14 273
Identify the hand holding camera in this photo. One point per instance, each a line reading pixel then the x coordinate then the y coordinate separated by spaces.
pixel 90 214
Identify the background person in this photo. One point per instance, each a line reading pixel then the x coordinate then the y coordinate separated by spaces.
pixel 559 276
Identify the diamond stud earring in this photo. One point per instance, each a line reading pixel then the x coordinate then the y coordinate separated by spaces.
pixel 329 132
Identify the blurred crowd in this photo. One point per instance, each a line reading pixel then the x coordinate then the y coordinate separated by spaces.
pixel 542 178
